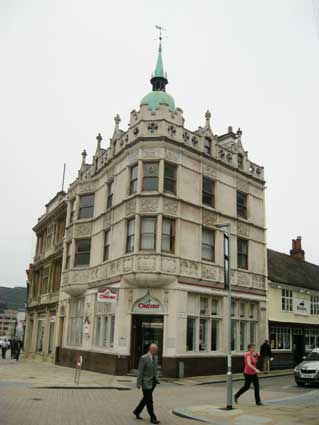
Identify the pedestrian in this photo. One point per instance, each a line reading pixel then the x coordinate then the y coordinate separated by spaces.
pixel 4 348
pixel 147 379
pixel 250 373
pixel 265 354
pixel 13 348
pixel 18 349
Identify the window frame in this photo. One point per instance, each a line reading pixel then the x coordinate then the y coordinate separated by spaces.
pixel 212 247
pixel 133 181
pixel 85 208
pixel 154 218
pixel 109 202
pixel 170 236
pixel 208 194
pixel 130 236
pixel 169 178
pixel 145 177
pixel 243 254
pixel 242 207
pixel 84 252
pixel 107 244
pixel 287 300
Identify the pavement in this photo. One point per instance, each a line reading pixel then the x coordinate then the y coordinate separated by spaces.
pixel 38 393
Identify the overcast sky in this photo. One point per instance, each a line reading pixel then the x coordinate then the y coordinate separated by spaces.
pixel 67 67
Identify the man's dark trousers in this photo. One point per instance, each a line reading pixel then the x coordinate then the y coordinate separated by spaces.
pixel 148 401
pixel 250 379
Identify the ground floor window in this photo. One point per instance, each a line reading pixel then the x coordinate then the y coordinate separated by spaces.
pixel 281 338
pixel 191 334
pixel 243 325
pixel 311 339
pixel 40 335
pixel 104 325
pixel 76 320
pixel 51 336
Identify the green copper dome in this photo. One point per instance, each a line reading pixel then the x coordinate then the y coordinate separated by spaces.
pixel 155 98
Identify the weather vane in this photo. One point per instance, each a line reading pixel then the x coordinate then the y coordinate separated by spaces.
pixel 160 29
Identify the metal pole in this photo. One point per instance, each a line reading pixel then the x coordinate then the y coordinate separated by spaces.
pixel 227 265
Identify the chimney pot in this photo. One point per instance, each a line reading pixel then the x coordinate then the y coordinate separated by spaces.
pixel 297 251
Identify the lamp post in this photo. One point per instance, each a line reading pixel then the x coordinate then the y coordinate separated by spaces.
pixel 226 228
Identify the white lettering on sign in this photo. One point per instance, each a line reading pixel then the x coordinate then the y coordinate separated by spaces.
pixel 301 306
pixel 107 296
pixel 147 305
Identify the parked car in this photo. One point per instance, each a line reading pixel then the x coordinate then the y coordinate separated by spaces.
pixel 307 372
pixel 4 338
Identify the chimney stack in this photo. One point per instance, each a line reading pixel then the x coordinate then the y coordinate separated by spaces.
pixel 297 251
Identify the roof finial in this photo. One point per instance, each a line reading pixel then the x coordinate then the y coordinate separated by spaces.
pixel 84 155
pixel 99 138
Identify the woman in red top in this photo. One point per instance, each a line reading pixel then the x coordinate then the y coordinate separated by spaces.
pixel 250 373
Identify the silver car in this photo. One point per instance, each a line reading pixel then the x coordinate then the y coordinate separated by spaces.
pixel 307 372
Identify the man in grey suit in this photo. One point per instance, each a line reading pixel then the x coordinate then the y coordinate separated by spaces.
pixel 147 378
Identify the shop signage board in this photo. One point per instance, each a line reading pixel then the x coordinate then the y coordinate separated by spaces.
pixel 147 305
pixel 107 296
pixel 301 306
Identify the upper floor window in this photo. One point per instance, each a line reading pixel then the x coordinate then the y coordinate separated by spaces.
pixel 208 195
pixel 286 299
pixel 106 254
pixel 150 176
pixel 170 178
pixel 133 179
pixel 109 195
pixel 72 208
pixel 314 304
pixel 208 245
pixel 168 235
pixel 45 280
pixel 242 253
pixel 148 233
pixel 86 209
pixel 83 252
pixel 68 255
pixel 242 204
pixel 130 235
pixel 207 146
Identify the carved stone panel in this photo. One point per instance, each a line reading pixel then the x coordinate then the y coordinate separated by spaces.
pixel 83 229
pixel 209 218
pixel 151 153
pixel 243 279
pixel 243 229
pixel 171 155
pixel 146 263
pixel 128 264
pixel 133 156
pixel 170 206
pixel 68 233
pixel 258 281
pixel 242 185
pixel 209 171
pixel 169 264
pixel 189 268
pixel 131 206
pixel 116 267
pixel 148 204
pixel 86 187
pixel 210 272
pixel 107 219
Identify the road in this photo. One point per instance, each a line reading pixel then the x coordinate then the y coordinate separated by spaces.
pixel 22 404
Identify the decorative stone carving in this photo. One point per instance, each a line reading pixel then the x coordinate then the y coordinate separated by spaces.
pixel 115 267
pixel 243 279
pixel 170 206
pixel 94 275
pixel 148 204
pixel 86 187
pixel 243 229
pixel 171 155
pixel 186 137
pixel 107 219
pixel 135 131
pixel 152 127
pixel 131 206
pixel 209 171
pixel 128 264
pixel 258 281
pixel 189 268
pixel 151 153
pixel 209 218
pixel 168 264
pixel 171 130
pixel 82 229
pixel 242 185
pixel 68 233
pixel 133 156
pixel 194 140
pixel 209 272
pixel 146 263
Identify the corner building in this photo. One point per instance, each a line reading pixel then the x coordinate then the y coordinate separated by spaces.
pixel 143 259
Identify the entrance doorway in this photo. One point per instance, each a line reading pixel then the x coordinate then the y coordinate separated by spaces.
pixel 146 330
pixel 298 348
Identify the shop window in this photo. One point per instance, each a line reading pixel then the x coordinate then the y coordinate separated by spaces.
pixel 76 321
pixel 242 253
pixel 83 252
pixel 168 235
pixel 242 309
pixel 109 202
pixel 133 179
pixel 244 325
pixel 203 305
pixel 40 335
pixel 51 337
pixel 107 237
pixel 203 337
pixel 234 335
pixel 170 178
pixel 148 233
pixel 242 335
pixel 191 334
pixel 281 338
pixel 208 194
pixel 150 176
pixel 286 299
pixel 311 339
pixel 241 204
pixel 314 305
pixel 208 245
pixel 130 235
pixel 86 209
pixel 214 334
pixel 215 307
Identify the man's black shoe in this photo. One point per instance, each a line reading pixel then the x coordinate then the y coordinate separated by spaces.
pixel 236 399
pixel 137 416
pixel 155 421
pixel 259 403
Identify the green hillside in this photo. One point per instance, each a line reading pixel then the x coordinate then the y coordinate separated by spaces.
pixel 12 297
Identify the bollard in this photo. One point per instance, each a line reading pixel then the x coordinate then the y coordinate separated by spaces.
pixel 181 370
